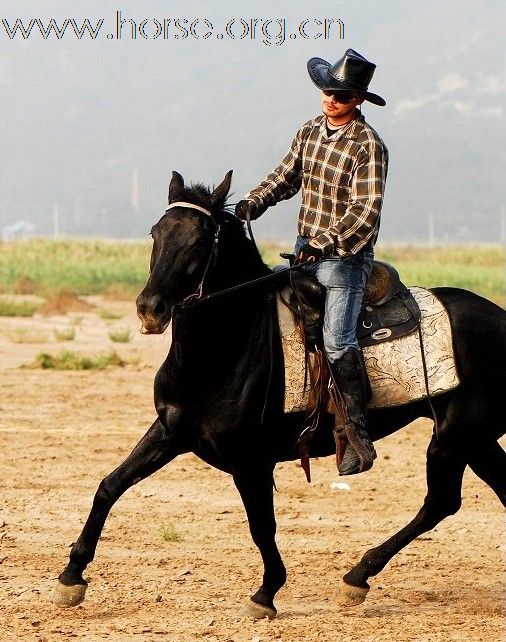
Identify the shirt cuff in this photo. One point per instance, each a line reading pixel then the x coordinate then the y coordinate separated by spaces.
pixel 256 199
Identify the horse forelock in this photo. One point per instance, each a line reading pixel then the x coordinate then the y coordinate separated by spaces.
pixel 200 194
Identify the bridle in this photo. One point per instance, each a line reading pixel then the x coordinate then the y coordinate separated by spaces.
pixel 190 205
pixel 212 254
pixel 197 297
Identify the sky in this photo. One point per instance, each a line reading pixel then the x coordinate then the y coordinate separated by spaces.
pixel 92 128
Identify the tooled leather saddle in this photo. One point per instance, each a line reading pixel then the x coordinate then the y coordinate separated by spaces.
pixel 389 309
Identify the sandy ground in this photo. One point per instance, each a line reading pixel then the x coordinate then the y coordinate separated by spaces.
pixel 62 432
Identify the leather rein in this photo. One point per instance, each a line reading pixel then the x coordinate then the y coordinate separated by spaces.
pixel 198 297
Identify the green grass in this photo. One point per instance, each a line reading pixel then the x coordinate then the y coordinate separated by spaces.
pixel 82 266
pixel 10 308
pixel 169 533
pixel 120 335
pixel 67 360
pixel 109 315
pixel 479 269
pixel 25 335
pixel 120 270
pixel 64 334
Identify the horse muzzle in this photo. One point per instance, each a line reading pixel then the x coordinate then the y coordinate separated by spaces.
pixel 154 314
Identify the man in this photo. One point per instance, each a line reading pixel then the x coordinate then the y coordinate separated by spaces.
pixel 341 164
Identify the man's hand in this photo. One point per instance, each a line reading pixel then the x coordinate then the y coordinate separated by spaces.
pixel 246 206
pixel 309 253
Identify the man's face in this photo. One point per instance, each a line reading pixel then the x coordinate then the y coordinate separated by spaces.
pixel 340 111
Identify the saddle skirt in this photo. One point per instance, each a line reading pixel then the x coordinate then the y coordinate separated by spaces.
pixel 394 367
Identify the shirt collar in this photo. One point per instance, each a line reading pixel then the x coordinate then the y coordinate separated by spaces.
pixel 351 129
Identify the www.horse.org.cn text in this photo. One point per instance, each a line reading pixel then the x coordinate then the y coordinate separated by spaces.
pixel 267 31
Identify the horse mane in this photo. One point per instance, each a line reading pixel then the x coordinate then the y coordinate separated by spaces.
pixel 200 194
pixel 233 229
pixel 223 212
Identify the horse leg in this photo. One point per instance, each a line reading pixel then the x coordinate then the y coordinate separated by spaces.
pixel 154 450
pixel 445 468
pixel 255 485
pixel 488 461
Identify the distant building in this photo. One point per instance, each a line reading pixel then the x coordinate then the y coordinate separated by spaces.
pixel 18 230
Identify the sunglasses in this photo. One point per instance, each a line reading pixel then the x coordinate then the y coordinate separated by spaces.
pixel 343 96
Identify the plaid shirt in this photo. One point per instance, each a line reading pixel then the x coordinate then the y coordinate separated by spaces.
pixel 343 180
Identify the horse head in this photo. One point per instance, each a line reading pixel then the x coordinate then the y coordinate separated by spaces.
pixel 183 248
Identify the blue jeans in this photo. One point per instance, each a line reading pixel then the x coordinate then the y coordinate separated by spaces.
pixel 344 281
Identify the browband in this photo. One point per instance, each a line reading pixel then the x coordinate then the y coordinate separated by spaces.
pixel 190 205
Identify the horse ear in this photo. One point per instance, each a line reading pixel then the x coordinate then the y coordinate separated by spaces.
pixel 220 193
pixel 176 186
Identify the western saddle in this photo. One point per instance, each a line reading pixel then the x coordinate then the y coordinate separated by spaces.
pixel 389 309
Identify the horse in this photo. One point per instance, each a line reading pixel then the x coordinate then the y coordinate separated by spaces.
pixel 219 393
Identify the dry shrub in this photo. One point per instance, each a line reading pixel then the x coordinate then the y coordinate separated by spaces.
pixel 11 308
pixel 64 334
pixel 63 301
pixel 26 285
pixel 122 291
pixel 169 533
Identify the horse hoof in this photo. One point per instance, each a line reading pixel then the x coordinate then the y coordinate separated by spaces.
pixel 256 611
pixel 351 595
pixel 68 595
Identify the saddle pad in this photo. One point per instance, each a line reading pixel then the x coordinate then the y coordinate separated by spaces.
pixel 394 367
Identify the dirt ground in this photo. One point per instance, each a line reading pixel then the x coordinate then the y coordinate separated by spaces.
pixel 61 432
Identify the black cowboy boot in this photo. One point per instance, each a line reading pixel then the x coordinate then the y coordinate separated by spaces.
pixel 351 378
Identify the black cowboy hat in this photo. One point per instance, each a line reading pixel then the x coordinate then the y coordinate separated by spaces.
pixel 352 72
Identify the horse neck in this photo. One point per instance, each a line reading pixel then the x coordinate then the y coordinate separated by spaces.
pixel 231 318
pixel 237 261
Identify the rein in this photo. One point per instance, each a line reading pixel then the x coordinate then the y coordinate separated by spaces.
pixel 197 297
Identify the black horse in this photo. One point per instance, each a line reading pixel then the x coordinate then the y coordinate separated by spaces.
pixel 219 393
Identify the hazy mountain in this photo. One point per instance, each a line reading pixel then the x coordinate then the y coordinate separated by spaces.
pixel 81 118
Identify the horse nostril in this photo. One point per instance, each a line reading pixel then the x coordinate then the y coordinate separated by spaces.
pixel 140 305
pixel 160 308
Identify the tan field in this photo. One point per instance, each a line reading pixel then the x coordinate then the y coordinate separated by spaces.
pixel 176 561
